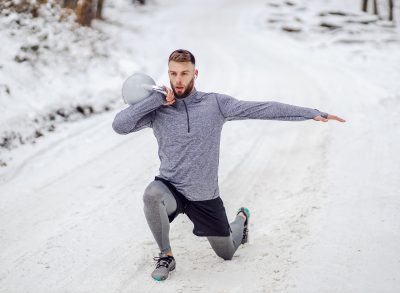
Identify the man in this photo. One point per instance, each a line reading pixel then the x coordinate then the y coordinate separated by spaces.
pixel 187 125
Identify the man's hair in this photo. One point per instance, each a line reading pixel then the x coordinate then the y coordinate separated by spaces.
pixel 182 55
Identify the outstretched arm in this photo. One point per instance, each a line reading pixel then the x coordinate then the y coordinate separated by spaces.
pixel 233 109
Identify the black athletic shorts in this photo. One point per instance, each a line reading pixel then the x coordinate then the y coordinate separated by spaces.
pixel 208 216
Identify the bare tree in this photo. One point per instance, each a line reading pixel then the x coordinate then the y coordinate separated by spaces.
pixel 376 10
pixel 85 12
pixel 391 18
pixel 99 9
pixel 364 5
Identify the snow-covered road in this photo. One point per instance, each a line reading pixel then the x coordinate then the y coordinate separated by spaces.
pixel 324 197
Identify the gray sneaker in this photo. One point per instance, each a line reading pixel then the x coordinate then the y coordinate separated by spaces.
pixel 165 264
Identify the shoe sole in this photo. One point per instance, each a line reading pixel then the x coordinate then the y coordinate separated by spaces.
pixel 247 239
pixel 246 222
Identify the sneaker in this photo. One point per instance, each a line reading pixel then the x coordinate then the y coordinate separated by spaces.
pixel 246 211
pixel 165 264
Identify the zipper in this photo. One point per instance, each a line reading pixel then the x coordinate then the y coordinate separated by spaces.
pixel 187 115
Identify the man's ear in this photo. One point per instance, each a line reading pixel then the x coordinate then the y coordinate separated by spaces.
pixel 196 73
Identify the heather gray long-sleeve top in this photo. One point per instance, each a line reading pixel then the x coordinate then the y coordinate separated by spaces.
pixel 189 131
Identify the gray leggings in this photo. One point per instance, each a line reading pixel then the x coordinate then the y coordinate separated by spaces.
pixel 159 203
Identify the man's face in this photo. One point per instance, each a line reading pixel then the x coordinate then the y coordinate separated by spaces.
pixel 181 78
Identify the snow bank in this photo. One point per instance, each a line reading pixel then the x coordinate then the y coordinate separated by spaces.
pixel 54 70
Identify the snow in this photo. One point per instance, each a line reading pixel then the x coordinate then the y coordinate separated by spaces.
pixel 323 196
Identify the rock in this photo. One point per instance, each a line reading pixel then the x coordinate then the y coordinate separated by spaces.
pixel 291 29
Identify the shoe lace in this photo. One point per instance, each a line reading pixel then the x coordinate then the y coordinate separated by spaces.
pixel 162 261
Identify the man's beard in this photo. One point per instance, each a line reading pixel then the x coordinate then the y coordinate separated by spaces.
pixel 187 92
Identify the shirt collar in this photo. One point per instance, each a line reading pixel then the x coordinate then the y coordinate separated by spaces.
pixel 190 97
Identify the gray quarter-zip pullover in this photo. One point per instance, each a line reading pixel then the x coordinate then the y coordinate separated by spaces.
pixel 188 133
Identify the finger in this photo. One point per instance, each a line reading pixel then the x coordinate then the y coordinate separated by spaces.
pixel 170 95
pixel 170 102
pixel 340 119
pixel 337 118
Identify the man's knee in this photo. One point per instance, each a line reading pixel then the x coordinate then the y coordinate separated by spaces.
pixel 153 194
pixel 225 255
pixel 222 246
